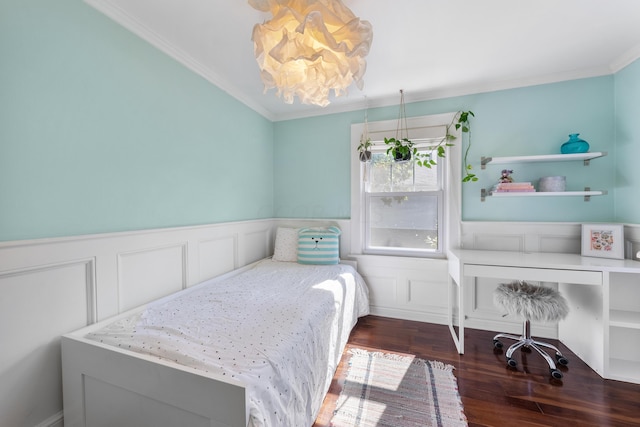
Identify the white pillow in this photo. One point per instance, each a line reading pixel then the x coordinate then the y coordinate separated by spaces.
pixel 286 248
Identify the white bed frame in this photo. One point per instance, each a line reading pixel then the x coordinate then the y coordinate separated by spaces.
pixel 111 387
pixel 106 386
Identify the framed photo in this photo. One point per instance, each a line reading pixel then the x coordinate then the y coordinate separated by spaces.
pixel 603 240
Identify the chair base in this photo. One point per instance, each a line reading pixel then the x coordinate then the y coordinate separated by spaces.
pixel 526 341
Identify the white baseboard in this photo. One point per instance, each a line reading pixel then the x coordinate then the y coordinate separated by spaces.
pixel 437 319
pixel 56 420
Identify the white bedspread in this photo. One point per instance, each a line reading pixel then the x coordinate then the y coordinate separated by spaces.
pixel 280 328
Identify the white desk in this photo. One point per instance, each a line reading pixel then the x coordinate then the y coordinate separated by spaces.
pixel 604 315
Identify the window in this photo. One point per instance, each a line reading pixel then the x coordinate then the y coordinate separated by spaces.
pixel 404 209
pixel 403 206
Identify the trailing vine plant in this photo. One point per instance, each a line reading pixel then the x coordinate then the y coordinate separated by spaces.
pixel 460 122
pixel 401 148
pixel 464 125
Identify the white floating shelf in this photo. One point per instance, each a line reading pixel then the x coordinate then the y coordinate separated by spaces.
pixel 547 193
pixel 586 194
pixel 542 158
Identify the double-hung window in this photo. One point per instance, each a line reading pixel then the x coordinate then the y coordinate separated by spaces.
pixel 405 209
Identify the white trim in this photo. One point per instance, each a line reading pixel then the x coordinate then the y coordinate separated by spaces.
pixel 452 182
pixel 56 420
pixel 452 92
pixel 132 233
pixel 130 23
pixel 626 59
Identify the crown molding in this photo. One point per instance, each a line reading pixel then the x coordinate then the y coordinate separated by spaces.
pixel 139 29
pixel 626 59
pixel 130 23
pixel 452 92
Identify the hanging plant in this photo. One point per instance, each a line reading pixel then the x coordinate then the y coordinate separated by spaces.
pixel 365 141
pixel 363 148
pixel 401 148
pixel 460 122
pixel 464 125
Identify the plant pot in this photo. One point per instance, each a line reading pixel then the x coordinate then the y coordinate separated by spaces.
pixel 399 157
pixel 365 156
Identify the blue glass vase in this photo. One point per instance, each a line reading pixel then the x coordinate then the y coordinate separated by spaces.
pixel 574 145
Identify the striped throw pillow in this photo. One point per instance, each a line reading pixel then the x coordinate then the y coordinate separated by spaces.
pixel 319 245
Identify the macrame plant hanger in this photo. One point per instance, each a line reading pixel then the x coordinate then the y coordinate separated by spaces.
pixel 365 137
pixel 402 131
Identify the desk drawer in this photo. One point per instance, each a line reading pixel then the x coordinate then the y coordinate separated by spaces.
pixel 534 274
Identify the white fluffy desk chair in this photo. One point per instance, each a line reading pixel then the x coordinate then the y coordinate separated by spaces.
pixel 531 302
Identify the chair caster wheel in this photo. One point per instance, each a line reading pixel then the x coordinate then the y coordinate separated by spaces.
pixel 512 362
pixel 497 344
pixel 562 360
pixel 556 374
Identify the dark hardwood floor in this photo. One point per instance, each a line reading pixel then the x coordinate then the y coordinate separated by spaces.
pixel 492 393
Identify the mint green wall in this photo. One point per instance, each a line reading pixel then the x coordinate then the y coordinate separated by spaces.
pixel 312 167
pixel 627 112
pixel 525 121
pixel 537 120
pixel 101 132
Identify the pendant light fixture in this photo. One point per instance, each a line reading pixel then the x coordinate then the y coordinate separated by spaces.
pixel 310 47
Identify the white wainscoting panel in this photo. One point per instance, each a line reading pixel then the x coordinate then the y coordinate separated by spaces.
pixel 406 288
pixel 426 294
pixel 510 242
pixel 217 256
pixel 416 289
pixel 37 305
pixel 257 245
pixel 50 287
pixel 560 243
pixel 383 290
pixel 512 236
pixel 148 274
pixel 521 236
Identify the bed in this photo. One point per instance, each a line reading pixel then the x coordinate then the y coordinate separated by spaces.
pixel 256 348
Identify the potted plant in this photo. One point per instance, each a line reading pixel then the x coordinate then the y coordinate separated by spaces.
pixel 365 141
pixel 364 148
pixel 400 149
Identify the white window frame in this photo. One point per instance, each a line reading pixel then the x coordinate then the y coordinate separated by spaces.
pixel 451 183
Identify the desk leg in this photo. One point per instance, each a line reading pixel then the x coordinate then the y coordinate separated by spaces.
pixel 458 338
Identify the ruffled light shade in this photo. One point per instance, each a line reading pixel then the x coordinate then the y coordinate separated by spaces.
pixel 310 47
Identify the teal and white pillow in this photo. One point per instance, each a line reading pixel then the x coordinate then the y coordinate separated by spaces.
pixel 319 245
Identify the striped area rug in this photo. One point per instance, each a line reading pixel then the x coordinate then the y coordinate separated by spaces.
pixel 390 390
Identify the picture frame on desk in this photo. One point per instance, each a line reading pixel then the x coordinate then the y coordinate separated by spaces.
pixel 603 240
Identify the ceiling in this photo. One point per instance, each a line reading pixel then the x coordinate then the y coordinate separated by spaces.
pixel 429 48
